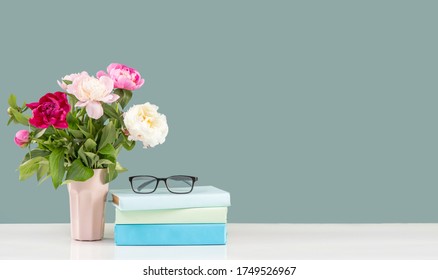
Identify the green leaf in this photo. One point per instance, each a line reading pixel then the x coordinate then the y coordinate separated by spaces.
pixel 43 179
pixel 57 168
pixel 108 152
pixel 84 131
pixel 66 182
pixel 82 155
pixel 19 117
pixel 72 100
pixel 120 168
pixel 43 169
pixel 111 174
pixel 129 145
pixel 76 133
pixel 62 132
pixel 40 133
pixel 108 135
pixel 79 172
pixel 110 112
pixel 120 93
pixel 28 168
pixel 90 154
pixel 90 145
pixel 119 140
pixel 72 121
pixel 50 130
pixel 102 162
pixel 67 82
pixel 36 153
pixel 12 101
pixel 125 98
pixel 93 158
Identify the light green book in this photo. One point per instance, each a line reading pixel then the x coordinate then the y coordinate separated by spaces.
pixel 173 216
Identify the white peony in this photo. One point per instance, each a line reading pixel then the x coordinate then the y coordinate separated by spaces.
pixel 145 124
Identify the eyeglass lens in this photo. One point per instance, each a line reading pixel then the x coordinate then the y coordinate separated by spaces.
pixel 180 184
pixel 144 184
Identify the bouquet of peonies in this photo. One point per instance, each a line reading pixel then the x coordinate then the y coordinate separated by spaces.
pixel 84 127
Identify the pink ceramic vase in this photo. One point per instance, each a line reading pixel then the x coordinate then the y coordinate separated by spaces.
pixel 87 207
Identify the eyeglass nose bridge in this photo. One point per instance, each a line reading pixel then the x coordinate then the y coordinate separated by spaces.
pixel 161 179
pixel 165 184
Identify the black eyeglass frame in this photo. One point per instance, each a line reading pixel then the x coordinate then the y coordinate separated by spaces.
pixel 194 179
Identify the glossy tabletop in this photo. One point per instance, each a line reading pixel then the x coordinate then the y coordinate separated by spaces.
pixel 245 241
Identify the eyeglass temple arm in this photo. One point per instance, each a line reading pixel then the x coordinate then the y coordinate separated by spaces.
pixel 192 183
pixel 187 182
pixel 142 186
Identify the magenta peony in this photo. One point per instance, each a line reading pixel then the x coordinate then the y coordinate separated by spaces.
pixel 124 77
pixel 51 109
pixel 22 138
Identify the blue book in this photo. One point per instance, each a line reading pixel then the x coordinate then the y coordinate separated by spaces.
pixel 170 234
pixel 201 196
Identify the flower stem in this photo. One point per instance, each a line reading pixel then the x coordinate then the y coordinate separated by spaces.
pixel 30 154
pixel 90 125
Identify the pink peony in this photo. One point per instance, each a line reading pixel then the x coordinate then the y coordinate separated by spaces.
pixel 22 138
pixel 51 109
pixel 91 91
pixel 124 77
pixel 70 78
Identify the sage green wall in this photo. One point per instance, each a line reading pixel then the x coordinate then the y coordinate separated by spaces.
pixel 306 111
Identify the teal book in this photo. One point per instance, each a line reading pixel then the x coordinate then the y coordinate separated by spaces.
pixel 170 234
pixel 201 196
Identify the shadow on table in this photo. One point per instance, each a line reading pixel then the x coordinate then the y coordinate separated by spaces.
pixel 106 249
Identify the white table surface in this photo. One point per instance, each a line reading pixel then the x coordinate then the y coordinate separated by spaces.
pixel 245 241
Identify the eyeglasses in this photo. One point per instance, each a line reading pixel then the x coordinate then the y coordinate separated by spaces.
pixel 178 184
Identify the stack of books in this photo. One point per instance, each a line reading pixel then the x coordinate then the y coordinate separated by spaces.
pixel 164 218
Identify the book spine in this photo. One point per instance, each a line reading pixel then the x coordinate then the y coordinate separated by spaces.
pixel 173 216
pixel 170 234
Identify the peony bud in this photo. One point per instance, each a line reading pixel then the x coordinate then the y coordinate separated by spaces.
pixel 22 138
